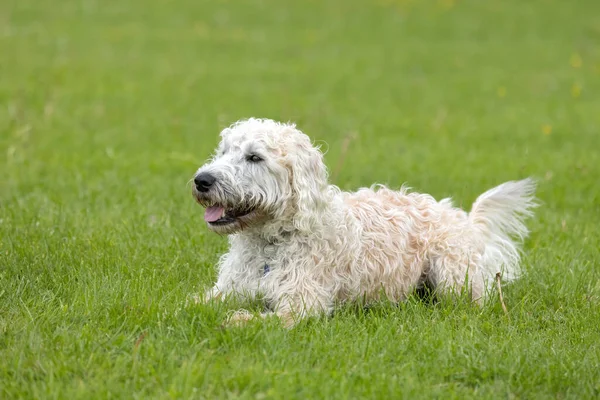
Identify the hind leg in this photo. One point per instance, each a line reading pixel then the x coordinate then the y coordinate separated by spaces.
pixel 455 270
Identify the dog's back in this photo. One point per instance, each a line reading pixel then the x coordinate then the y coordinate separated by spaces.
pixel 402 234
pixel 408 238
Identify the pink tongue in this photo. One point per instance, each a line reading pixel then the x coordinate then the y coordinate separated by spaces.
pixel 213 213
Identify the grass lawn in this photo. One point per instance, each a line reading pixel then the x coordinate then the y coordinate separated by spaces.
pixel 108 107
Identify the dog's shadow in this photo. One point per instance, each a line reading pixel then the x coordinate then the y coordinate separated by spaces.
pixel 423 296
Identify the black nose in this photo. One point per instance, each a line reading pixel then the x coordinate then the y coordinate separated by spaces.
pixel 204 181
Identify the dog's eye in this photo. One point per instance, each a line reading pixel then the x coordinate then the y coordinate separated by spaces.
pixel 254 158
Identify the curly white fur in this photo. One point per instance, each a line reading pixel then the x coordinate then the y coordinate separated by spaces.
pixel 303 244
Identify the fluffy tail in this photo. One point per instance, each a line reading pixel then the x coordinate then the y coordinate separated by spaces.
pixel 500 215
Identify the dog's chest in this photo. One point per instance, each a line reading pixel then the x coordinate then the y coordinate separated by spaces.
pixel 274 261
pixel 271 260
pixel 268 260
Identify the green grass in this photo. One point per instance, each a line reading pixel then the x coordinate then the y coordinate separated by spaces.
pixel 108 107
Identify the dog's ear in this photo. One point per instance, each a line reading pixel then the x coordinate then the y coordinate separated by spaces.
pixel 309 183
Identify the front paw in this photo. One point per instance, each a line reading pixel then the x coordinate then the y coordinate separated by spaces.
pixel 243 317
pixel 213 294
pixel 210 295
pixel 239 318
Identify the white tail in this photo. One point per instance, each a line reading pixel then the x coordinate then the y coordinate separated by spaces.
pixel 500 215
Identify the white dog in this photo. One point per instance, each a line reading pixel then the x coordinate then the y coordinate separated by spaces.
pixel 303 244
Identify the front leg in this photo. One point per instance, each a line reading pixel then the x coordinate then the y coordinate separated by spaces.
pixel 238 277
pixel 225 290
pixel 211 294
pixel 292 306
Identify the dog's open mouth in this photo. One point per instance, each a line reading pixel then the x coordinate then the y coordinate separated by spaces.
pixel 219 215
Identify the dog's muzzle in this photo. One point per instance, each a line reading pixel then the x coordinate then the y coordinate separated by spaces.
pixel 221 214
pixel 204 181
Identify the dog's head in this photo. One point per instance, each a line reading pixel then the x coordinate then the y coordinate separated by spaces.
pixel 262 172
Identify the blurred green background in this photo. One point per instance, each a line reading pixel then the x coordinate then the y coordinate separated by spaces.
pixel 107 108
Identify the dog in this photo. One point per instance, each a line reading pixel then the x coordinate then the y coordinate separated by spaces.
pixel 303 245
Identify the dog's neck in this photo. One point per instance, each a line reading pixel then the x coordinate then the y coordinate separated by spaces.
pixel 278 232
